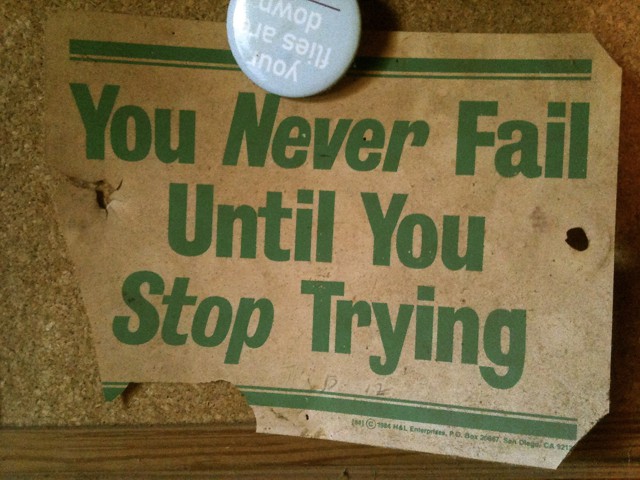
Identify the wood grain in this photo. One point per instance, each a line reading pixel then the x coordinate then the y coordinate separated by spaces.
pixel 610 450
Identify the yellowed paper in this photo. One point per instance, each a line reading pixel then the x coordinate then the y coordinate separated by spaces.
pixel 420 258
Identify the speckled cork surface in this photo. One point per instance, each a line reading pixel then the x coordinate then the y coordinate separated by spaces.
pixel 48 373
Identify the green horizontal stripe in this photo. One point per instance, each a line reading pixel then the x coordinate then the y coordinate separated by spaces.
pixel 155 64
pixel 150 52
pixel 414 413
pixel 352 73
pixel 398 400
pixel 474 65
pixel 468 77
pixel 526 69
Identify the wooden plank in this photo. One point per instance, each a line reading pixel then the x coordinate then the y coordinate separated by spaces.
pixel 611 450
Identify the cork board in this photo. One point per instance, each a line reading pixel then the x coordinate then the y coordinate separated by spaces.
pixel 48 375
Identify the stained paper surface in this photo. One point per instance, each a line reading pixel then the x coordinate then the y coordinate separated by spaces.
pixel 420 258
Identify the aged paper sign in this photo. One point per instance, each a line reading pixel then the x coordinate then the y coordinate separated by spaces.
pixel 420 258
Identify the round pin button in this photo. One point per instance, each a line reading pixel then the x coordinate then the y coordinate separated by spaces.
pixel 294 48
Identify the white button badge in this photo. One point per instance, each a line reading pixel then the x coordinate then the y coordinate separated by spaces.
pixel 294 48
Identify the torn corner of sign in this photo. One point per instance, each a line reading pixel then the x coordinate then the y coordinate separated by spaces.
pixel 421 257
